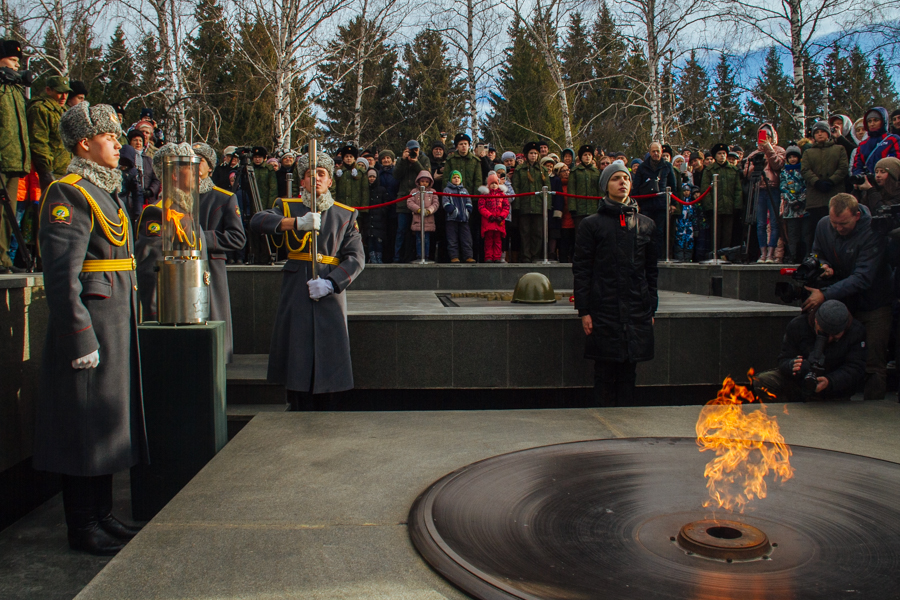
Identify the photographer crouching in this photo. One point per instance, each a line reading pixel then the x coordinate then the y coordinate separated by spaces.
pixel 823 357
pixel 856 272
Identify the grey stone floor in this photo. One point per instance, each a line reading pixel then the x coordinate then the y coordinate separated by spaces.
pixel 369 305
pixel 314 505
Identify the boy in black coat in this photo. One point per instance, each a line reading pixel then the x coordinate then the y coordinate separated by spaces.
pixel 616 297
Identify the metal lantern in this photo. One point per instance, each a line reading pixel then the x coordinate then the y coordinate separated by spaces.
pixel 183 273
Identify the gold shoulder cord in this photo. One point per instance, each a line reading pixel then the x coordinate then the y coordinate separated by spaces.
pixel 286 240
pixel 116 238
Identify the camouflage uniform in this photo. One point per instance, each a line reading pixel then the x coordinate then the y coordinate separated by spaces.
pixel 15 156
pixel 49 156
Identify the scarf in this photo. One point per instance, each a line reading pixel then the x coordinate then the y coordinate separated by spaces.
pixel 105 178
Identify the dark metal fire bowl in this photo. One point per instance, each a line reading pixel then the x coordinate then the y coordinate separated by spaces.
pixel 616 518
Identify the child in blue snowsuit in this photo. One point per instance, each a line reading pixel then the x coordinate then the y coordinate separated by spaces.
pixel 684 226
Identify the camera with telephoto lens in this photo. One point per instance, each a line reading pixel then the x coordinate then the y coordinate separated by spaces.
pixel 816 362
pixel 858 179
pixel 806 275
pixel 886 219
pixel 413 153
pixel 10 76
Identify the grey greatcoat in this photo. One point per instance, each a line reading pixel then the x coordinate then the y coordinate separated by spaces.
pixel 90 421
pixel 223 230
pixel 310 348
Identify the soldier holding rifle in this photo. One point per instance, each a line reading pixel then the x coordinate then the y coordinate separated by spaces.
pixel 310 349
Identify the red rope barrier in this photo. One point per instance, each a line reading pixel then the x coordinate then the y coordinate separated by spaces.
pixel 482 195
pixel 384 203
pixel 701 197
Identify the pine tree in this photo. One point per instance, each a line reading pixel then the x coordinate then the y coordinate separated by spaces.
pixel 883 91
pixel 857 82
pixel 836 66
pixel 576 55
pixel 607 121
pixel 118 74
pixel 250 106
pixel 86 59
pixel 148 64
pixel 210 80
pixel 693 114
pixel 431 91
pixel 816 91
pixel 379 102
pixel 522 108
pixel 770 99
pixel 727 116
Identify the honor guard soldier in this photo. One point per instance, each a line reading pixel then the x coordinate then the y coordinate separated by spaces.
pixel 223 231
pixel 89 419
pixel 148 247
pixel 310 350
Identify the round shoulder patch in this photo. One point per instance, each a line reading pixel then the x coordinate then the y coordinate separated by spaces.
pixel 153 228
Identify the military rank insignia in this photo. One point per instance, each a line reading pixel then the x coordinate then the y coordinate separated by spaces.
pixel 153 229
pixel 61 212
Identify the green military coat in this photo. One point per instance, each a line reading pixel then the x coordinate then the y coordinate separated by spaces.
pixel 529 205
pixel 731 196
pixel 468 166
pixel 48 154
pixel 349 189
pixel 15 153
pixel 584 181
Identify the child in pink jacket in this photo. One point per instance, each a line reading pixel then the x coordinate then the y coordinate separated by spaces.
pixel 428 208
pixel 493 207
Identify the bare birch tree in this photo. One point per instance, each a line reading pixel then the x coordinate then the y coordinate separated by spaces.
pixel 471 28
pixel 292 35
pixel 56 20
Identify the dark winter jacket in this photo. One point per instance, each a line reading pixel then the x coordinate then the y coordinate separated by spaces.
pixel 823 165
pixel 222 177
pixel 457 209
pixel 846 139
pixel 132 193
pixel 149 180
pixel 650 178
pixel 387 180
pixel 615 275
pixel 558 201
pixel 845 359
pixel 730 193
pixel 862 277
pixel 876 146
pixel 437 164
pixel 584 181
pixel 494 208
pixel 378 217
pixel 406 173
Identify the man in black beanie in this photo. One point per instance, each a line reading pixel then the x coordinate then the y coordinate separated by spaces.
pixel 843 357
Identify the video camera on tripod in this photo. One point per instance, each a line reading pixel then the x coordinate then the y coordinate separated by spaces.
pixel 806 275
pixel 886 218
pixel 246 174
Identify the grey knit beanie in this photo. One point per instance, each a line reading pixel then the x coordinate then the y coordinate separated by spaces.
pixel 821 126
pixel 84 121
pixel 615 167
pixel 508 156
pixel 205 152
pixel 170 149
pixel 833 317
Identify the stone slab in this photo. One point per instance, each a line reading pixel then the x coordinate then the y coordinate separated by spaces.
pixel 314 505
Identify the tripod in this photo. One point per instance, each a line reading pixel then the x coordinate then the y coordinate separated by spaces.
pixel 246 175
pixel 14 223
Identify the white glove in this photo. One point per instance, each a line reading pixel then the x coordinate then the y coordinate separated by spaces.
pixel 338 173
pixel 87 362
pixel 308 222
pixel 354 172
pixel 557 214
pixel 319 288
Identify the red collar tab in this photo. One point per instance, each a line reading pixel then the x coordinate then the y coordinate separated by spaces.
pixel 622 219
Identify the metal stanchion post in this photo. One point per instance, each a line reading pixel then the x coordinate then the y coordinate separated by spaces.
pixel 668 222
pixel 289 178
pixel 715 240
pixel 544 195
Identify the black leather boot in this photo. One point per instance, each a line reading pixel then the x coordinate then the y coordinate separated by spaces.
pixel 107 521
pixel 85 533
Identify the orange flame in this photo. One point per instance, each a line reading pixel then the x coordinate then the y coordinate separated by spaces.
pixel 747 446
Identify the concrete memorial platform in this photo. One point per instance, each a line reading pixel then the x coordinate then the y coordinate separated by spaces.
pixel 314 505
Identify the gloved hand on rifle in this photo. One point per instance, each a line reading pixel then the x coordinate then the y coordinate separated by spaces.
pixel 319 288
pixel 308 222
pixel 88 361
